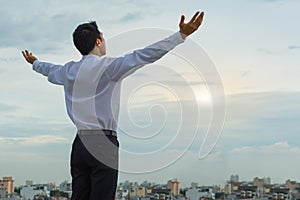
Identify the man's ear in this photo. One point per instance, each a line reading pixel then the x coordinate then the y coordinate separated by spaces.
pixel 98 42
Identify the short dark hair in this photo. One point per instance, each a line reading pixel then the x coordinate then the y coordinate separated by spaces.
pixel 84 37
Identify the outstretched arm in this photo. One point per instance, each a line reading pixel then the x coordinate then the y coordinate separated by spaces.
pixel 124 66
pixel 52 71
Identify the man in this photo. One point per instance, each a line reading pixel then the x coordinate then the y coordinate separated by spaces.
pixel 92 95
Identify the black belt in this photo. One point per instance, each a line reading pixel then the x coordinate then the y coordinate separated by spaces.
pixel 94 131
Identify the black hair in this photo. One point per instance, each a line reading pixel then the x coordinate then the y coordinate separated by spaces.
pixel 84 37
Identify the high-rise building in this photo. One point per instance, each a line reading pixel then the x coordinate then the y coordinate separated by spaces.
pixel 29 182
pixel 8 184
pixel 267 180
pixel 194 185
pixel 174 186
pixel 234 178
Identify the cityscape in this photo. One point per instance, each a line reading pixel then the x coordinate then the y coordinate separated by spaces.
pixel 258 188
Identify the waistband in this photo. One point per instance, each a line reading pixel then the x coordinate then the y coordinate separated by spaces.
pixel 96 132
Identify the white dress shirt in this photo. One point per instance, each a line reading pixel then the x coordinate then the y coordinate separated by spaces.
pixel 92 85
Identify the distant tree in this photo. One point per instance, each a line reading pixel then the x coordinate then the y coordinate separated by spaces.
pixel 57 193
pixel 182 191
pixel 64 194
pixel 17 190
pixel 40 197
pixel 54 193
pixel 220 195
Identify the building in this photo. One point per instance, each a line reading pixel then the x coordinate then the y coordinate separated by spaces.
pixel 2 190
pixel 267 181
pixel 126 185
pixel 29 182
pixel 194 184
pixel 65 186
pixel 28 192
pixel 122 194
pixel 267 188
pixel 8 184
pixel 234 178
pixel 247 191
pixel 228 188
pixel 137 191
pixel 292 185
pixel 199 193
pixel 146 184
pixel 173 185
pixel 260 184
pixel 161 193
pixel 279 193
pixel 232 187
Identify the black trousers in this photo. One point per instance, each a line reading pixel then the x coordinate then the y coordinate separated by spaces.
pixel 94 167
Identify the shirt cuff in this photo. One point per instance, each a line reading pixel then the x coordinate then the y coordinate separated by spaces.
pixel 178 37
pixel 35 64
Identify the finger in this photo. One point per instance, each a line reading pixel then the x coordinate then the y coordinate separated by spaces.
pixel 29 54
pixel 194 17
pixel 199 19
pixel 26 53
pixel 182 19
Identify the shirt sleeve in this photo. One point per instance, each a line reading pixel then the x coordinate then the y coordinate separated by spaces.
pixel 128 64
pixel 55 73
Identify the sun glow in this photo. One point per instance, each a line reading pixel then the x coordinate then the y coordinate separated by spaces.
pixel 202 94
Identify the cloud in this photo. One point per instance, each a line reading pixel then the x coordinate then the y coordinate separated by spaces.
pixel 252 118
pixel 183 83
pixel 280 148
pixel 293 47
pixel 16 124
pixel 267 51
pixel 15 164
pixel 7 108
pixel 275 1
pixel 9 59
pixel 272 52
pixel 265 160
pixel 245 73
pixel 129 17
pixel 277 148
pixel 30 25
pixel 36 140
pixel 261 118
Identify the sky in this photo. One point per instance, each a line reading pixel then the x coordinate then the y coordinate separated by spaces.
pixel 251 47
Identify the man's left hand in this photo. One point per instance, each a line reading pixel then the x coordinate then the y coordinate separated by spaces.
pixel 29 57
pixel 187 29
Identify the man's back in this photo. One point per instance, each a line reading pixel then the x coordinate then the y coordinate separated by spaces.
pixel 92 85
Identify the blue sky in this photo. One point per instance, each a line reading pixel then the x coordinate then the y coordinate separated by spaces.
pixel 254 45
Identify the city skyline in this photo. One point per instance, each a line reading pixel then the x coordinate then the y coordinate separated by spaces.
pixel 254 45
pixel 258 188
pixel 232 178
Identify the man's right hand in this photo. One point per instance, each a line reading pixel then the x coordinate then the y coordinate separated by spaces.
pixel 29 57
pixel 192 25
